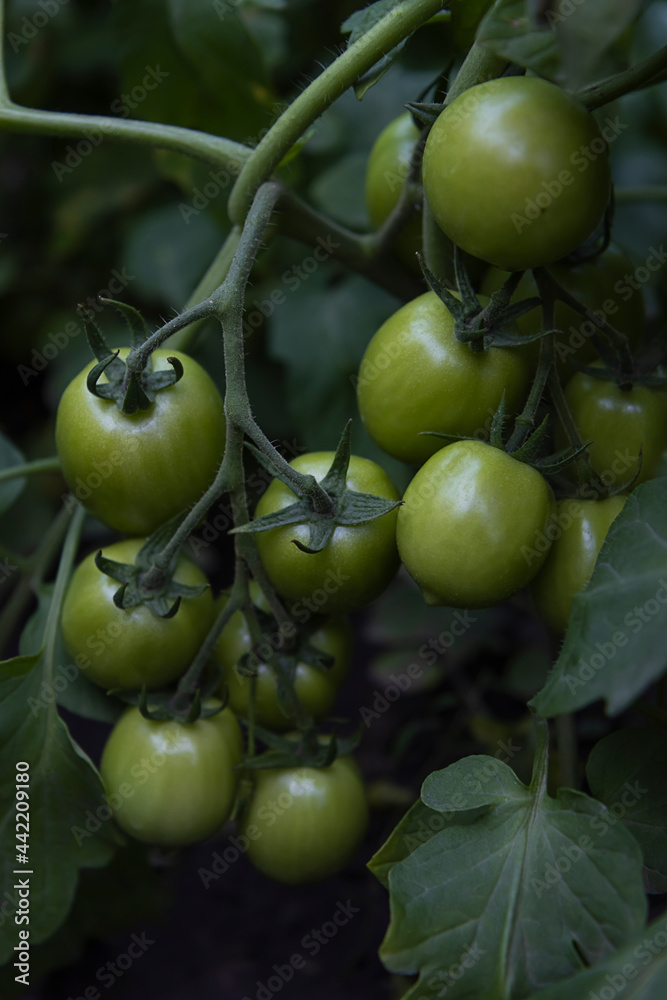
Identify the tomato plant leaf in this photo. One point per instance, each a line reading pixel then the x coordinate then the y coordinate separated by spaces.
pixel 626 771
pixel 510 29
pixel 585 32
pixel 9 457
pixel 517 889
pixel 636 972
pixel 614 646
pixel 64 789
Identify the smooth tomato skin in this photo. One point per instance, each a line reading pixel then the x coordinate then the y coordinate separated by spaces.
pixel 174 783
pixel 619 424
pixel 135 472
pixel 305 824
pixel 128 649
pixel 386 172
pixel 360 560
pixel 600 285
pixel 504 146
pixel 469 524
pixel 416 376
pixel 583 526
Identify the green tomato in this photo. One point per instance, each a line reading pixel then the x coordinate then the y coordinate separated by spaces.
pixel 135 472
pixel 304 824
pixel 582 528
pixel 170 783
pixel 316 688
pixel 356 566
pixel 473 524
pixel 600 285
pixel 516 172
pixel 416 376
pixel 120 648
pixel 386 173
pixel 619 424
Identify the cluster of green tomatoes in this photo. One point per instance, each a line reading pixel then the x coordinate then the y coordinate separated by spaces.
pixel 476 524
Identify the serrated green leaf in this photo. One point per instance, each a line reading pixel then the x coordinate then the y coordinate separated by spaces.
pixel 626 770
pixel 63 786
pixel 636 972
pixel 9 457
pixel 510 29
pixel 614 646
pixel 520 896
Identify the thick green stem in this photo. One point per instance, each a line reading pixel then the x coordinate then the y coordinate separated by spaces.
pixel 480 65
pixel 396 25
pixel 644 74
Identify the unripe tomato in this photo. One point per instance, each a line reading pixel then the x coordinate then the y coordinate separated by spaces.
pixel 472 528
pixel 600 285
pixel 618 423
pixel 316 688
pixel 120 648
pixel 583 527
pixel 136 471
pixel 170 783
pixel 356 566
pixel 516 172
pixel 386 173
pixel 416 376
pixel 305 823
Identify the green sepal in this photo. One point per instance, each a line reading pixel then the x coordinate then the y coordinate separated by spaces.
pixel 130 390
pixel 554 464
pixel 171 703
pixel 135 321
pixel 425 113
pixel 165 596
pixel 305 752
pixel 498 422
pixel 531 446
pixel 349 506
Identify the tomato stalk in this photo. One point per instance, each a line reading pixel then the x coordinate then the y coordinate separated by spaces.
pixel 647 73
pixel 358 58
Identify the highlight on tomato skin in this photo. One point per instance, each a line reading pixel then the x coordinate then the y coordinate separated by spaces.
pixel 305 824
pixel 171 783
pixel 469 526
pixel 405 366
pixel 134 472
pixel 119 648
pixel 582 526
pixel 516 172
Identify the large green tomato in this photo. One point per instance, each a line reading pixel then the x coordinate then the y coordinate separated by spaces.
pixel 356 566
pixel 582 527
pixel 516 172
pixel 416 376
pixel 315 687
pixel 135 472
pixel 170 783
pixel 601 285
pixel 619 424
pixel 305 824
pixel 127 649
pixel 473 526
pixel 386 173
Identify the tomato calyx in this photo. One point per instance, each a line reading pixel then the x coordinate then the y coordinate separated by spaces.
pixel 130 388
pixel 348 507
pixel 307 748
pixel 179 704
pixel 142 582
pixel 480 326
